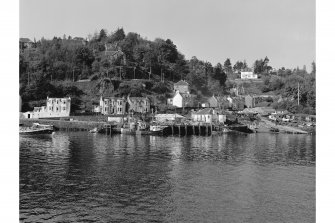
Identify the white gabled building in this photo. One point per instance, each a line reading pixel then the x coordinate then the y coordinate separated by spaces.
pixel 248 75
pixel 181 100
pixel 177 100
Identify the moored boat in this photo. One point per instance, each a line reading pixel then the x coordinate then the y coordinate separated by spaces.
pixel 36 129
pixel 141 128
pixel 157 129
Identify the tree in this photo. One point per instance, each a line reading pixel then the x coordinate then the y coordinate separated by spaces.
pixel 238 67
pixel 219 74
pixel 258 66
pixel 245 65
pixel 266 67
pixel 84 56
pixel 227 66
pixel 313 68
pixel 261 66
pixel 118 35
pixel 102 35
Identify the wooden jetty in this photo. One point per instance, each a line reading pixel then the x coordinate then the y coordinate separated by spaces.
pixel 184 129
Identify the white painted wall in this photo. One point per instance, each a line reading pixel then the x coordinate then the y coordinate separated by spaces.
pixel 248 75
pixel 177 100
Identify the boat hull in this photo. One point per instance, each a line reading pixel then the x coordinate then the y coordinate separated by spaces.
pixel 36 132
pixel 140 132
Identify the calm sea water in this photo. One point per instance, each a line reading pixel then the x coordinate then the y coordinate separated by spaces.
pixel 83 177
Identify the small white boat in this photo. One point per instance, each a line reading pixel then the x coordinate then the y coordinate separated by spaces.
pixel 95 130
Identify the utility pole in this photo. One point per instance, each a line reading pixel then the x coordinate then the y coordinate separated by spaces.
pixel 72 74
pixel 134 72
pixel 298 95
pixel 150 72
pixel 161 75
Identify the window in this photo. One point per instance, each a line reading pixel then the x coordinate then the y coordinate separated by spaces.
pixel 64 109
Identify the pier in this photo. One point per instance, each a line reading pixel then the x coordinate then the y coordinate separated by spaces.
pixel 184 130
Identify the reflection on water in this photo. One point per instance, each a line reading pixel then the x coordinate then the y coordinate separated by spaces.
pixel 71 177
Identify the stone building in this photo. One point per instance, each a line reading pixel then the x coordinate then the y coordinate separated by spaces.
pixel 182 87
pixel 138 104
pixel 113 106
pixel 121 105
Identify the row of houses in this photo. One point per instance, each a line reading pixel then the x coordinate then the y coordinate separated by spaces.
pixel 183 99
pixel 122 105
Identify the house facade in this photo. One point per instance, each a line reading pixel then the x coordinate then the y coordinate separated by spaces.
pixel 248 75
pixel 213 102
pixel 182 100
pixel 55 107
pixel 249 101
pixel 177 100
pixel 121 106
pixel 221 102
pixel 182 87
pixel 208 115
pixel 113 106
pixel 138 104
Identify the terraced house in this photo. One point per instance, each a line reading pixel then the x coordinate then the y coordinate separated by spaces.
pixel 113 105
pixel 138 104
pixel 121 105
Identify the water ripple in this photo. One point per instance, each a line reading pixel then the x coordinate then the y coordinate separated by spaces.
pixel 81 177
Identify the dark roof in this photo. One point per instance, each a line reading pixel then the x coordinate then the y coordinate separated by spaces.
pixel 204 111
pixel 138 99
pixel 181 82
pixel 25 40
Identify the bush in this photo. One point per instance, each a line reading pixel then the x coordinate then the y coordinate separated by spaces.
pixel 160 88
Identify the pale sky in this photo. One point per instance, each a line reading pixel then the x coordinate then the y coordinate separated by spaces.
pixel 212 30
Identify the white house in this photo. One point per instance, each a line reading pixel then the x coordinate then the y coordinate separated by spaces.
pixel 182 100
pixel 56 107
pixel 208 115
pixel 177 100
pixel 248 75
